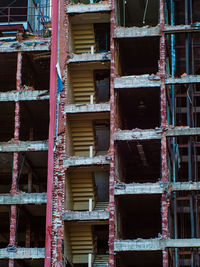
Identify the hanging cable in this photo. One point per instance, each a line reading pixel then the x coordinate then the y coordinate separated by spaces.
pixel 145 12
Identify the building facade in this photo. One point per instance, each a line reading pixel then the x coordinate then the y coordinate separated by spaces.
pixel 116 183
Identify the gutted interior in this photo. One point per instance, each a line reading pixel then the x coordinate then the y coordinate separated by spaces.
pixel 7 121
pixel 32 175
pixel 6 162
pixel 137 13
pixel 8 65
pixel 139 259
pixel 33 128
pixel 137 109
pixel 88 134
pixel 138 162
pixel 132 220
pixel 85 185
pixel 185 56
pixel 31 226
pixel 183 154
pixel 4 226
pixel 186 256
pixel 137 57
pixel 89 83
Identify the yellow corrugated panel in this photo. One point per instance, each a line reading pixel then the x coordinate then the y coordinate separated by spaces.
pixel 81 241
pixel 81 143
pixel 82 188
pixel 83 86
pixel 83 38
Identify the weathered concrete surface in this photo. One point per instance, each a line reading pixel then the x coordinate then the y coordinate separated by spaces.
pixel 26 46
pixel 181 28
pixel 75 58
pixel 176 131
pixel 13 146
pixel 139 81
pixel 81 8
pixel 146 80
pixel 138 134
pixel 24 95
pixel 184 79
pixel 154 188
pixel 23 253
pixel 85 108
pixel 85 215
pixel 84 161
pixel 131 32
pixel 152 134
pixel 154 244
pixel 23 198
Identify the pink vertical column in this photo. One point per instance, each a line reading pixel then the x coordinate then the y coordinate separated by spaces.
pixel 13 209
pixel 112 146
pixel 164 125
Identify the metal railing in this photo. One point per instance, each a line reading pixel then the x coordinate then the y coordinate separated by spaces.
pixel 33 18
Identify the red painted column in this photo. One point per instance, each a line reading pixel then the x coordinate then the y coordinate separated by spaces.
pixel 112 146
pixel 164 125
pixel 13 209
pixel 52 126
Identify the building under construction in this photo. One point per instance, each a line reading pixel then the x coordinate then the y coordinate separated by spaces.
pixel 100 133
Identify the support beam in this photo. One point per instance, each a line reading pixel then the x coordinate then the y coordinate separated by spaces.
pixel 24 95
pixel 85 215
pixel 20 146
pixel 155 188
pixel 135 32
pixel 180 28
pixel 23 198
pixel 146 80
pixel 154 244
pixel 23 253
pixel 27 46
pixel 128 135
pixel 87 108
pixel 81 8
pixel 76 58
pixel 85 161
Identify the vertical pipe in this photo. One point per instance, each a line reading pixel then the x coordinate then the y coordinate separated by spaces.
pixel 173 67
pixel 112 148
pixel 52 125
pixel 164 124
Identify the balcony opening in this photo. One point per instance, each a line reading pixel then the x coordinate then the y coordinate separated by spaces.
pixel 137 13
pixel 6 162
pixel 137 110
pixel 133 219
pixel 90 37
pixel 88 136
pixel 138 162
pixel 4 226
pixel 8 66
pixel 136 56
pixel 139 259
pixel 82 239
pixel 32 175
pixel 89 83
pixel 33 128
pixel 7 116
pixel 84 186
pixel 31 226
